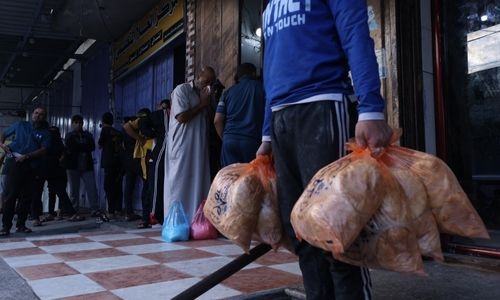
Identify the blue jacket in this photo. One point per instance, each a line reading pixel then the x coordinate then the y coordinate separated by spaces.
pixel 310 47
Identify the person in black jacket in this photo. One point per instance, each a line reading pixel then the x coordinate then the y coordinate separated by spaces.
pixel 111 143
pixel 57 179
pixel 80 166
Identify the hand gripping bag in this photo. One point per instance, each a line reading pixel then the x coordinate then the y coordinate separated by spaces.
pixel 176 226
pixel 201 228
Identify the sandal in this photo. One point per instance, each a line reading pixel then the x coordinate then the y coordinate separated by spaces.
pixel 143 225
pixel 24 229
pixel 4 232
pixel 76 218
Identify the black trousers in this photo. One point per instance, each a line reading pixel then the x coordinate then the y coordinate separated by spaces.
pixel 156 176
pixel 132 176
pixel 57 187
pixel 113 187
pixel 305 138
pixel 20 184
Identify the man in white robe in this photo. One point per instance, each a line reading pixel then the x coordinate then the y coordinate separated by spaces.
pixel 187 163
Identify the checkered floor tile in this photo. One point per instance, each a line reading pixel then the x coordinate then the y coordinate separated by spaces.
pixel 138 264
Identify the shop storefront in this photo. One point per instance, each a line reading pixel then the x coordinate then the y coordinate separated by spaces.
pixel 469 97
pixel 149 60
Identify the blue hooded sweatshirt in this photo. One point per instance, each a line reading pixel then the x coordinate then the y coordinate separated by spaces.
pixel 310 47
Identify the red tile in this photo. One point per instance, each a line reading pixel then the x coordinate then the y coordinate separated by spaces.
pixel 131 242
pixel 21 252
pixel 177 255
pixel 259 279
pixel 122 278
pixel 88 254
pixel 204 243
pixel 46 271
pixel 61 241
pixel 278 257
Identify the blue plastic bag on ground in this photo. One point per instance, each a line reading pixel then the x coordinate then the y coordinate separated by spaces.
pixel 176 226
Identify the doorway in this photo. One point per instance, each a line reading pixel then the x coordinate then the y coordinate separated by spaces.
pixel 471 101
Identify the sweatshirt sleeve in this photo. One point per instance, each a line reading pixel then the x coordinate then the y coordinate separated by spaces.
pixel 351 19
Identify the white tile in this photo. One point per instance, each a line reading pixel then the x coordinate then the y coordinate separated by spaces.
pixel 54 237
pixel 16 245
pixel 170 289
pixel 110 263
pixel 31 260
pixel 114 237
pixel 151 248
pixel 73 247
pixel 231 249
pixel 64 286
pixel 289 267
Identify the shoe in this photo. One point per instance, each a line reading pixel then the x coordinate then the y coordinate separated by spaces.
pixel 37 223
pixel 4 231
pixel 76 218
pixel 24 229
pixel 143 225
pixel 152 219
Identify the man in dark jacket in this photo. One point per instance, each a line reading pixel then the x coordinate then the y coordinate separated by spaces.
pixel 111 143
pixel 80 166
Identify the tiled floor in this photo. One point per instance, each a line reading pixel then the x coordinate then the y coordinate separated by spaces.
pixel 137 264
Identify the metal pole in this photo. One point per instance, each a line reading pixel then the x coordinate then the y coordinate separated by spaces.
pixel 218 276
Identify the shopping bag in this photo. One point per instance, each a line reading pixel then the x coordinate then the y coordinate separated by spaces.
pixel 176 226
pixel 201 228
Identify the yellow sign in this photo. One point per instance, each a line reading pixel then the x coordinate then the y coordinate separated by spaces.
pixel 159 27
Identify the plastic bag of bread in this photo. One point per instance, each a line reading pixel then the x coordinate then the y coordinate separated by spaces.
pixel 388 240
pixel 422 220
pixel 450 205
pixel 338 202
pixel 234 202
pixel 269 229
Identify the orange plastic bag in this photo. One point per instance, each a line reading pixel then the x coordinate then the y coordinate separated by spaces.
pixel 388 239
pixel 338 202
pixel 422 219
pixel 235 200
pixel 201 228
pixel 450 205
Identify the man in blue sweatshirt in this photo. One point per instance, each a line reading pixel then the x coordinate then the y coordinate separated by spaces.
pixel 310 47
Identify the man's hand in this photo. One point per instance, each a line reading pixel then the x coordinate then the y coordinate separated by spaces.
pixel 374 134
pixel 264 149
pixel 205 94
